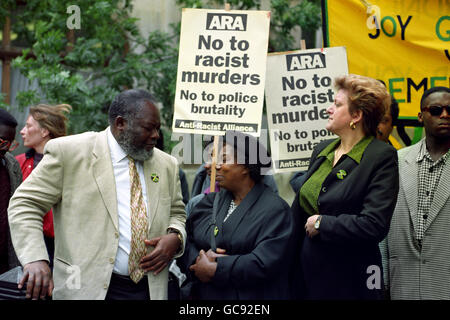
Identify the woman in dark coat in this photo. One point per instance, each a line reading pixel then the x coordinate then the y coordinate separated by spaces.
pixel 244 252
pixel 345 205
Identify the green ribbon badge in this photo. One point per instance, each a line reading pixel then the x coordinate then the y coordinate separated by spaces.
pixel 216 231
pixel 154 177
pixel 341 174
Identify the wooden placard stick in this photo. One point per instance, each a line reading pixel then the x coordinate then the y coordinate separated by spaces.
pixel 212 187
pixel 302 44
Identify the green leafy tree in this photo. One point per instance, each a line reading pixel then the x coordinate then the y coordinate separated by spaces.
pixel 287 15
pixel 88 67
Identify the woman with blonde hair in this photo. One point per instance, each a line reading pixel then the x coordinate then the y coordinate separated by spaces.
pixel 344 207
pixel 44 122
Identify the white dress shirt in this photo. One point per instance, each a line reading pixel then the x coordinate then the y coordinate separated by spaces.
pixel 122 178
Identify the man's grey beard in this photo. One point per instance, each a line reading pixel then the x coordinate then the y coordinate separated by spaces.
pixel 125 140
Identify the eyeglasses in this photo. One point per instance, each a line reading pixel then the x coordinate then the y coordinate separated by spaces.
pixel 437 110
pixel 8 145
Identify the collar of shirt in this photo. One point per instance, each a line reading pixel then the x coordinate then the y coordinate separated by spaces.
pixel 424 154
pixel 117 153
pixel 330 148
pixel 355 153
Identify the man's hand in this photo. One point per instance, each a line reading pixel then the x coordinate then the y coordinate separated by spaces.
pixel 38 277
pixel 204 267
pixel 165 248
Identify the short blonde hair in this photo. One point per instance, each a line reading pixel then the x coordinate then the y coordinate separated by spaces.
pixel 52 118
pixel 368 95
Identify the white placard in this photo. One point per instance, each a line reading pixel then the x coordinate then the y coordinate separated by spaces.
pixel 299 89
pixel 221 71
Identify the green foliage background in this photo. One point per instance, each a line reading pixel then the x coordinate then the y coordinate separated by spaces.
pixel 110 54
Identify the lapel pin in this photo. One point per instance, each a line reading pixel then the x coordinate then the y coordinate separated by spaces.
pixel 154 177
pixel 216 231
pixel 341 174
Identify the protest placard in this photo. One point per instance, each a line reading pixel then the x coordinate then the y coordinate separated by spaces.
pixel 299 88
pixel 221 71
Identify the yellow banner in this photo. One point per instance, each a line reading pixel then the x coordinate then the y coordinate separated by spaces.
pixel 404 43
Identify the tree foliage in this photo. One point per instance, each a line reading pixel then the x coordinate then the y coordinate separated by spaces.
pixel 285 18
pixel 108 53
pixel 108 56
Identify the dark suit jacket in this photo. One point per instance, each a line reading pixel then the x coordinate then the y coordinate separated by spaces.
pixel 356 212
pixel 15 179
pixel 256 238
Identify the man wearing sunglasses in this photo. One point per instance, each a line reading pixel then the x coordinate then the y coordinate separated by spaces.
pixel 418 243
pixel 10 178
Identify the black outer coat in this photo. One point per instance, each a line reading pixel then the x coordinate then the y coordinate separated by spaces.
pixel 257 237
pixel 356 211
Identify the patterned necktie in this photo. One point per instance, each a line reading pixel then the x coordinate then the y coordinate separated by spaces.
pixel 139 224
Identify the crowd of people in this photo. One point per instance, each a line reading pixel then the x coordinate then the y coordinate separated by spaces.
pixel 367 222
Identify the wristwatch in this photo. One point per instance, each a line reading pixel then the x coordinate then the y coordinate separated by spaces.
pixel 317 223
pixel 172 230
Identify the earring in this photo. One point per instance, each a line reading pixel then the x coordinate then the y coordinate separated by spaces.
pixel 352 125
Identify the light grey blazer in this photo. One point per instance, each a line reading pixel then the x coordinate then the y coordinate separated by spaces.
pixel 411 272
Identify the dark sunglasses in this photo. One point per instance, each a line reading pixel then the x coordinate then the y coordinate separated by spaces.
pixel 437 110
pixel 8 145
